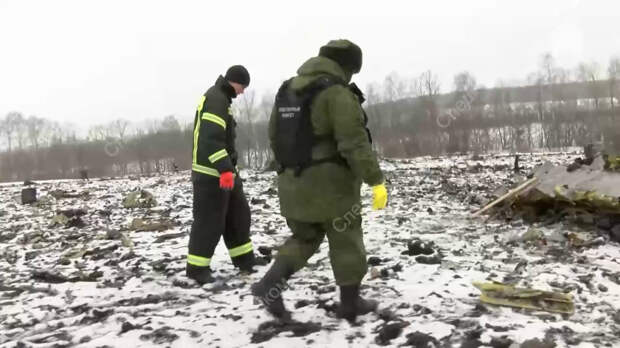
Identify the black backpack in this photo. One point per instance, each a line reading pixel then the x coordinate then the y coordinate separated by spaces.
pixel 294 134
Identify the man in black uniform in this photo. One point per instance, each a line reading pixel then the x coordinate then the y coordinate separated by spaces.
pixel 220 207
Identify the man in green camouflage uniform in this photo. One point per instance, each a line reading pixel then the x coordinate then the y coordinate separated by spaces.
pixel 324 199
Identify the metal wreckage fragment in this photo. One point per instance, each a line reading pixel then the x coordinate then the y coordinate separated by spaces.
pixel 505 295
pixel 592 187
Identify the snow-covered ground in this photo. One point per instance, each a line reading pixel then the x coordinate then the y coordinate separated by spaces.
pixel 104 284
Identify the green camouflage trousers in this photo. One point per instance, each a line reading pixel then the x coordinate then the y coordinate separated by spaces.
pixel 346 247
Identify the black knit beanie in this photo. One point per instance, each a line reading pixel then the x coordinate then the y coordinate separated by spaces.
pixel 344 52
pixel 238 74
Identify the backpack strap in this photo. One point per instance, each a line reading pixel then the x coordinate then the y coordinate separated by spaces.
pixel 360 96
pixel 356 90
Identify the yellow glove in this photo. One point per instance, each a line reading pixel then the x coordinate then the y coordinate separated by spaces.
pixel 380 197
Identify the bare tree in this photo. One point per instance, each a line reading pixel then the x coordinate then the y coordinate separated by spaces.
pixel 375 123
pixel 548 69
pixel 247 112
pixel 464 82
pixel 21 132
pixel 395 87
pixel 562 77
pixel 261 129
pixel 152 125
pixel 390 87
pixel 428 84
pixel 458 130
pixel 35 127
pixel 98 133
pixel 613 74
pixel 11 123
pixel 170 124
pixel 265 106
pixel 590 73
pixel 372 94
pixel 118 128
pixel 428 88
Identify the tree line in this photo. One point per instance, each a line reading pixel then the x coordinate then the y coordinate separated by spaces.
pixel 553 108
pixel 37 148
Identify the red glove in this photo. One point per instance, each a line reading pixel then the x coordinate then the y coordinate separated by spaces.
pixel 227 181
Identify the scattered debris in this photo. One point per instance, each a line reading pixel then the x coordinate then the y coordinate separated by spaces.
pixel 84 174
pixel 417 247
pixel 419 339
pixel 13 291
pixel 500 342
pixel 374 261
pixel 69 218
pixel 127 326
pixel 29 195
pixel 508 195
pixel 612 162
pixel 70 213
pixel 164 237
pixel 139 199
pixel 389 331
pixel 589 188
pixel 506 295
pixel 60 194
pixel 270 329
pixel 584 192
pixel 97 316
pixel 533 235
pixel 101 252
pixel 428 260
pixel 160 336
pixel 140 225
pixel 301 304
pixel 59 220
pixel 109 285
pixel 45 201
pixel 56 277
pixel 537 343
pixel 126 241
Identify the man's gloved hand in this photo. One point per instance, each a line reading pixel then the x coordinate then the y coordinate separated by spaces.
pixel 227 181
pixel 380 197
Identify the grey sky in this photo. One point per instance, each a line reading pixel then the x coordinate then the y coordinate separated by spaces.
pixel 88 62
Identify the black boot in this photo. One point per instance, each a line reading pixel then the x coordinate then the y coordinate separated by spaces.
pixel 352 305
pixel 269 289
pixel 245 262
pixel 202 275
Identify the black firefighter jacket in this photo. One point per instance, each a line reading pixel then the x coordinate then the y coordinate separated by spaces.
pixel 214 133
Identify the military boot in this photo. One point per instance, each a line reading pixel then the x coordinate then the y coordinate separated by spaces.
pixel 269 289
pixel 202 275
pixel 352 305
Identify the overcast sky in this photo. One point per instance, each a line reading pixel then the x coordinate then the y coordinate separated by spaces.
pixel 88 62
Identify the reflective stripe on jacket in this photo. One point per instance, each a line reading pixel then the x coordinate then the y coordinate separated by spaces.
pixel 214 131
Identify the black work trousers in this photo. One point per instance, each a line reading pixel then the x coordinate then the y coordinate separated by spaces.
pixel 220 213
